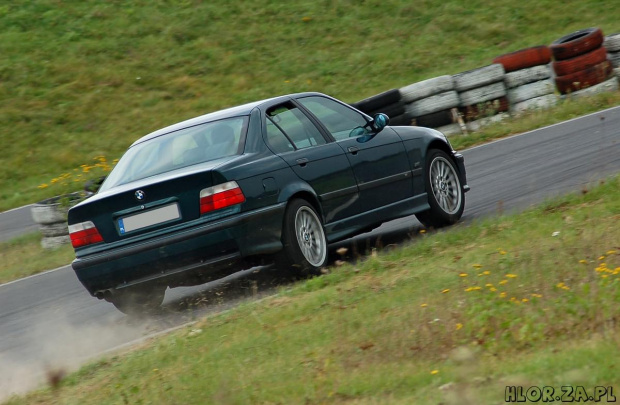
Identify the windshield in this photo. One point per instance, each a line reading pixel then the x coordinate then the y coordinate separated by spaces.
pixel 185 147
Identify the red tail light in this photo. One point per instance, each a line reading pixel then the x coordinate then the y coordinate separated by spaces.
pixel 220 196
pixel 83 234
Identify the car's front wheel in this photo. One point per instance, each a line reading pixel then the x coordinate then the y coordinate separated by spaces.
pixel 138 300
pixel 305 244
pixel 445 192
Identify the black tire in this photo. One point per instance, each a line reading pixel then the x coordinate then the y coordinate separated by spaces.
pixel 378 101
pixel 391 110
pixel 138 300
pixel 435 120
pixel 303 237
pixel 442 180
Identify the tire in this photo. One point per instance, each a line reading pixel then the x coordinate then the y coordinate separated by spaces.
pixel 436 119
pixel 378 101
pixel 581 62
pixel 614 58
pixel 445 191
pixel 478 77
pixel 491 107
pixel 612 42
pixel 482 94
pixel 606 86
pixel 438 102
pixel 391 110
pixel 576 43
pixel 530 90
pixel 57 229
pixel 584 78
pixel 524 58
pixel 527 75
pixel 138 300
pixel 426 88
pixel 54 242
pixel 536 103
pixel 401 120
pixel 303 237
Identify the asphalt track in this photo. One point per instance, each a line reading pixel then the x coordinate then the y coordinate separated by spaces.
pixel 48 322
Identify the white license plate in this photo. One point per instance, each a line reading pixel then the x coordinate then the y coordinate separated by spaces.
pixel 144 219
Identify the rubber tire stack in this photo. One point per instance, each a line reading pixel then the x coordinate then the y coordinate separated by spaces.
pixel 612 45
pixel 429 103
pixel 482 95
pixel 388 102
pixel 528 79
pixel 580 64
pixel 52 219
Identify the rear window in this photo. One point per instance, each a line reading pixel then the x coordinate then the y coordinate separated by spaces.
pixel 185 147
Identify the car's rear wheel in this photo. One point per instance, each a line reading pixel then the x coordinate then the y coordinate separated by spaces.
pixel 138 300
pixel 305 244
pixel 445 192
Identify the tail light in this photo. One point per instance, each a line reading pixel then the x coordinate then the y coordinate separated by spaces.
pixel 220 196
pixel 84 234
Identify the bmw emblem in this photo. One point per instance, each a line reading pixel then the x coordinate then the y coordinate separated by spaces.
pixel 139 195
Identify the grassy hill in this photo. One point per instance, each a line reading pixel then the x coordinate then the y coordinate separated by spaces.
pixel 83 78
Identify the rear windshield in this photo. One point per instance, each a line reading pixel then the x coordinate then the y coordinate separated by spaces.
pixel 185 147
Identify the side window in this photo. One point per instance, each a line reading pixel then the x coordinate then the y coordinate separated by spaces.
pixel 297 127
pixel 339 119
pixel 277 141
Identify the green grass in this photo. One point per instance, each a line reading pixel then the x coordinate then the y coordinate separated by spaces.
pixel 80 79
pixel 23 256
pixel 456 316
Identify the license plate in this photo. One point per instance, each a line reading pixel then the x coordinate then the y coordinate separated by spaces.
pixel 144 219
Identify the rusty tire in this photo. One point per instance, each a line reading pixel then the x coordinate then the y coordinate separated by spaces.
pixel 581 62
pixel 524 58
pixel 576 43
pixel 584 78
pixel 485 109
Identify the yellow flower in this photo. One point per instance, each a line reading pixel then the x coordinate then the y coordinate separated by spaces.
pixel 435 372
pixel 492 289
pixel 459 326
pixel 424 305
pixel 473 289
pixel 524 300
pixel 306 19
pixel 503 282
pixel 536 295
pixel 502 295
pixel 511 275
pixel 601 258
pixel 611 252
pixel 463 275
pixel 502 252
pixel 583 261
pixel 604 275
pixel 488 285
pixel 477 266
pixel 447 290
pixel 559 285
pixel 486 272
pixel 422 230
pixel 43 185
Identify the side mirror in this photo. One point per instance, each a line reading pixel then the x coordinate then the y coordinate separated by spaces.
pixel 379 122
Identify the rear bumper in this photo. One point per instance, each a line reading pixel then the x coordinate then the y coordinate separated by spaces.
pixel 192 253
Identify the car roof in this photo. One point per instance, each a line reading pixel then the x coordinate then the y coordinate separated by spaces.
pixel 237 111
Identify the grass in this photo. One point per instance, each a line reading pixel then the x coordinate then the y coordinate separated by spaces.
pixel 454 317
pixel 82 79
pixel 23 256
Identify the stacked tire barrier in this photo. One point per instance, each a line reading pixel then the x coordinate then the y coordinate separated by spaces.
pixel 528 79
pixel 51 216
pixel 482 95
pixel 430 103
pixel 580 64
pixel 612 45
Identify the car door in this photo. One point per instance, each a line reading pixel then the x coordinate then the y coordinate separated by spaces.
pixel 322 164
pixel 379 162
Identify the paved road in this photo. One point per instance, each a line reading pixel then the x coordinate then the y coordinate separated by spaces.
pixel 16 222
pixel 49 322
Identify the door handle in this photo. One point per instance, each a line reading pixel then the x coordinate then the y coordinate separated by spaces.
pixel 353 150
pixel 302 162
